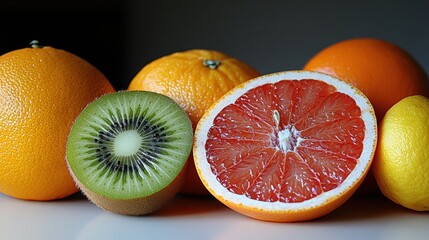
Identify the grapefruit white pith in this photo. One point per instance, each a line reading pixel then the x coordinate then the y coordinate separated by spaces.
pixel 289 146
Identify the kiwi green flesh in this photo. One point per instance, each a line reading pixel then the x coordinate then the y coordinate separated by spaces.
pixel 137 206
pixel 129 144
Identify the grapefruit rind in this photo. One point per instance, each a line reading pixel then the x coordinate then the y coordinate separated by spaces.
pixel 327 200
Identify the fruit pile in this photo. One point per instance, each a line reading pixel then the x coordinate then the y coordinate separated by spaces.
pixel 284 147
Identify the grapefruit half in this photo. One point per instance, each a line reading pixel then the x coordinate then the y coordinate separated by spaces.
pixel 284 147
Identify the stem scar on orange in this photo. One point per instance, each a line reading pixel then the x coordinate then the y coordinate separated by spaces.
pixel 42 91
pixel 195 79
pixel 284 147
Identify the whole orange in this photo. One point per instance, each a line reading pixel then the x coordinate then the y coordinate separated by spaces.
pixel 42 91
pixel 383 71
pixel 195 79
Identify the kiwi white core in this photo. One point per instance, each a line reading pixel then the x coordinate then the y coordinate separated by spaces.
pixel 127 143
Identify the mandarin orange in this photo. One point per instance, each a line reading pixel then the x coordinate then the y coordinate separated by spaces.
pixel 194 79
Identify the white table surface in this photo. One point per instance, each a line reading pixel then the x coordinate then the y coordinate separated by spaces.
pixel 362 217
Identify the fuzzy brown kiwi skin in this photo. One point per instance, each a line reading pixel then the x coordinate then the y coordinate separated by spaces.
pixel 138 206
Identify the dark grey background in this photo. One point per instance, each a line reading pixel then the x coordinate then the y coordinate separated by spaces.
pixel 120 37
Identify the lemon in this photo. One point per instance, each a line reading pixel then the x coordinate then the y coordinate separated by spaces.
pixel 401 164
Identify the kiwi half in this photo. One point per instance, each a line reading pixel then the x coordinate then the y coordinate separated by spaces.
pixel 127 151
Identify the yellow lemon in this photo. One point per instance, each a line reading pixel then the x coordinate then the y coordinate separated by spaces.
pixel 401 165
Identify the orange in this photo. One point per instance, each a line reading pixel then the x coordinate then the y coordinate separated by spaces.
pixel 383 71
pixel 42 91
pixel 284 147
pixel 194 79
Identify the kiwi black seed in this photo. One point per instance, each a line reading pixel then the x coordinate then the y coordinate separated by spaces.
pixel 127 151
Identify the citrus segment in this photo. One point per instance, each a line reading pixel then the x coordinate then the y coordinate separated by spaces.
pixel 302 133
pixel 284 139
